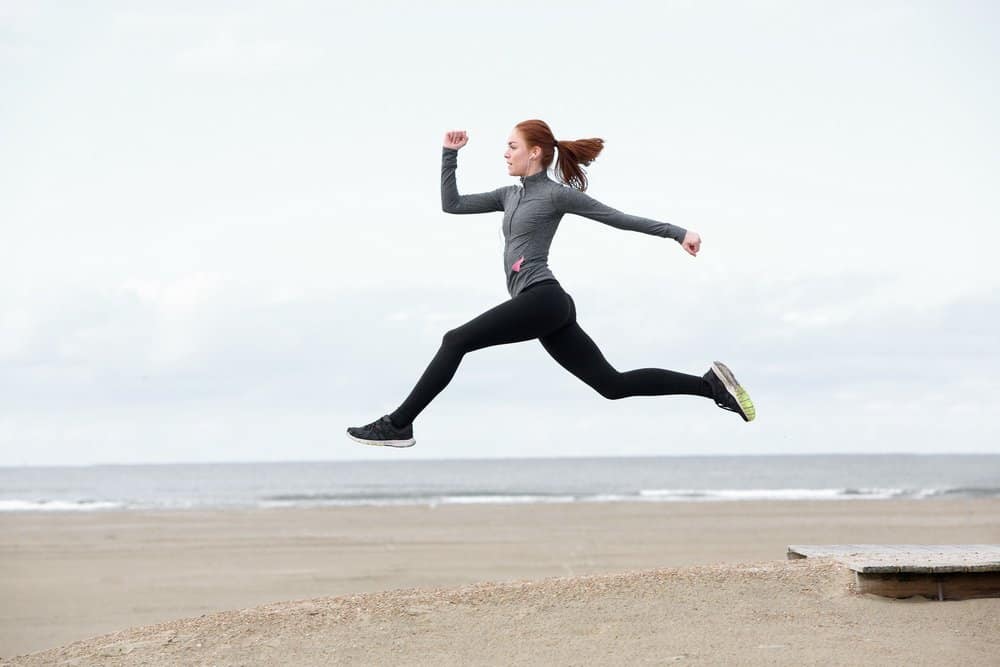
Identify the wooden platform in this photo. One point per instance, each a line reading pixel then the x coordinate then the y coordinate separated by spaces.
pixel 940 571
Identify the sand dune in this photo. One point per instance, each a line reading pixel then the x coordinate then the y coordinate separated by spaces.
pixel 67 577
pixel 773 612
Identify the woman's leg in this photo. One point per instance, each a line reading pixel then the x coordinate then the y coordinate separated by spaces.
pixel 577 353
pixel 530 314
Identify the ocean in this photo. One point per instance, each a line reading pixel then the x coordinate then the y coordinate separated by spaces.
pixel 535 480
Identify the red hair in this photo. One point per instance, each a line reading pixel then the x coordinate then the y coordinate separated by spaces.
pixel 572 154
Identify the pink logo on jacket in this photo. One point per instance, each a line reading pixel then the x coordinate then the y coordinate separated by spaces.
pixel 517 265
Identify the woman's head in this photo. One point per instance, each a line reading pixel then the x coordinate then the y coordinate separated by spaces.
pixel 532 146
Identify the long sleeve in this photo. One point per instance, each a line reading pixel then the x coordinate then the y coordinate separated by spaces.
pixel 571 200
pixel 452 202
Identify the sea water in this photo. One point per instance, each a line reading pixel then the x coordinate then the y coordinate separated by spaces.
pixel 534 480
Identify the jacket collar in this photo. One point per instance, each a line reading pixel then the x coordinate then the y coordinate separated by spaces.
pixel 537 177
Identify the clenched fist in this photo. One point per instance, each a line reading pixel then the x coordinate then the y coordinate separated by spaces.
pixel 692 243
pixel 455 139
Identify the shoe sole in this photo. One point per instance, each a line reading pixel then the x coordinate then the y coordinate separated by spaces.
pixel 384 443
pixel 748 412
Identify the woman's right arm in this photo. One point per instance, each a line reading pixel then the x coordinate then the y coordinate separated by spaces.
pixel 451 201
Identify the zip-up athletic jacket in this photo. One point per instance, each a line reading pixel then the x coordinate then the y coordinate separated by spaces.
pixel 532 212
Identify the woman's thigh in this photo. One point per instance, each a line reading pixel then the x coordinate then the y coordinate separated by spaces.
pixel 529 315
pixel 575 351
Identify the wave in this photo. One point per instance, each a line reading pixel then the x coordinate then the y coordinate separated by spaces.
pixel 817 494
pixel 16 505
pixel 416 497
pixel 643 495
pixel 323 499
pixel 962 492
pixel 770 494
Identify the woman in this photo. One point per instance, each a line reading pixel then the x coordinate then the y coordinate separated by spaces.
pixel 539 308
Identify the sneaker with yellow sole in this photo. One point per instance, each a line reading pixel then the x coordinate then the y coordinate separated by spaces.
pixel 727 392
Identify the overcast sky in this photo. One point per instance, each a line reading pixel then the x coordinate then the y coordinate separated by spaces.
pixel 221 236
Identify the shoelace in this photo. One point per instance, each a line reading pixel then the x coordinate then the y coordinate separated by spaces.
pixel 722 394
pixel 385 427
pixel 375 426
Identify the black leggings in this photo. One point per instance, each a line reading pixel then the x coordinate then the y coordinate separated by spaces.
pixel 543 311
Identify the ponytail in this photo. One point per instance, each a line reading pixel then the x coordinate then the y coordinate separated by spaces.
pixel 572 154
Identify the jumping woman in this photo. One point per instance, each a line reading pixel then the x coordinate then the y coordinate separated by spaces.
pixel 538 307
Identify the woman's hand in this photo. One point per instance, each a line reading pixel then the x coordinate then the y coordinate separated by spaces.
pixel 455 139
pixel 692 243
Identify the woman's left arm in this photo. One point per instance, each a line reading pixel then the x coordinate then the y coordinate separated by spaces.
pixel 571 200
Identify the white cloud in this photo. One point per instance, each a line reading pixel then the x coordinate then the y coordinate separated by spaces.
pixel 15 330
pixel 226 54
pixel 180 296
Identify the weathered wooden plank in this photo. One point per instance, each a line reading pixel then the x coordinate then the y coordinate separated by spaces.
pixel 917 558
pixel 954 586
pixel 988 549
pixel 941 571
pixel 914 558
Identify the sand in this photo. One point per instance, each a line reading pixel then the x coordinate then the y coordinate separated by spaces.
pixel 617 583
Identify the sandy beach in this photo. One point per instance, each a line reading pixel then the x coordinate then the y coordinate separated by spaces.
pixel 583 583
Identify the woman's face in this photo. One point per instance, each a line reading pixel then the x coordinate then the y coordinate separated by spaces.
pixel 518 155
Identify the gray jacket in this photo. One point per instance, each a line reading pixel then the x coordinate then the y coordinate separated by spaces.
pixel 532 212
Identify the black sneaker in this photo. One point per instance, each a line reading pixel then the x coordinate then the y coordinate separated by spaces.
pixel 382 432
pixel 728 393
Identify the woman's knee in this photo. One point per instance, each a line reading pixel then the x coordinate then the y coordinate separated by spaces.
pixel 455 339
pixel 610 388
